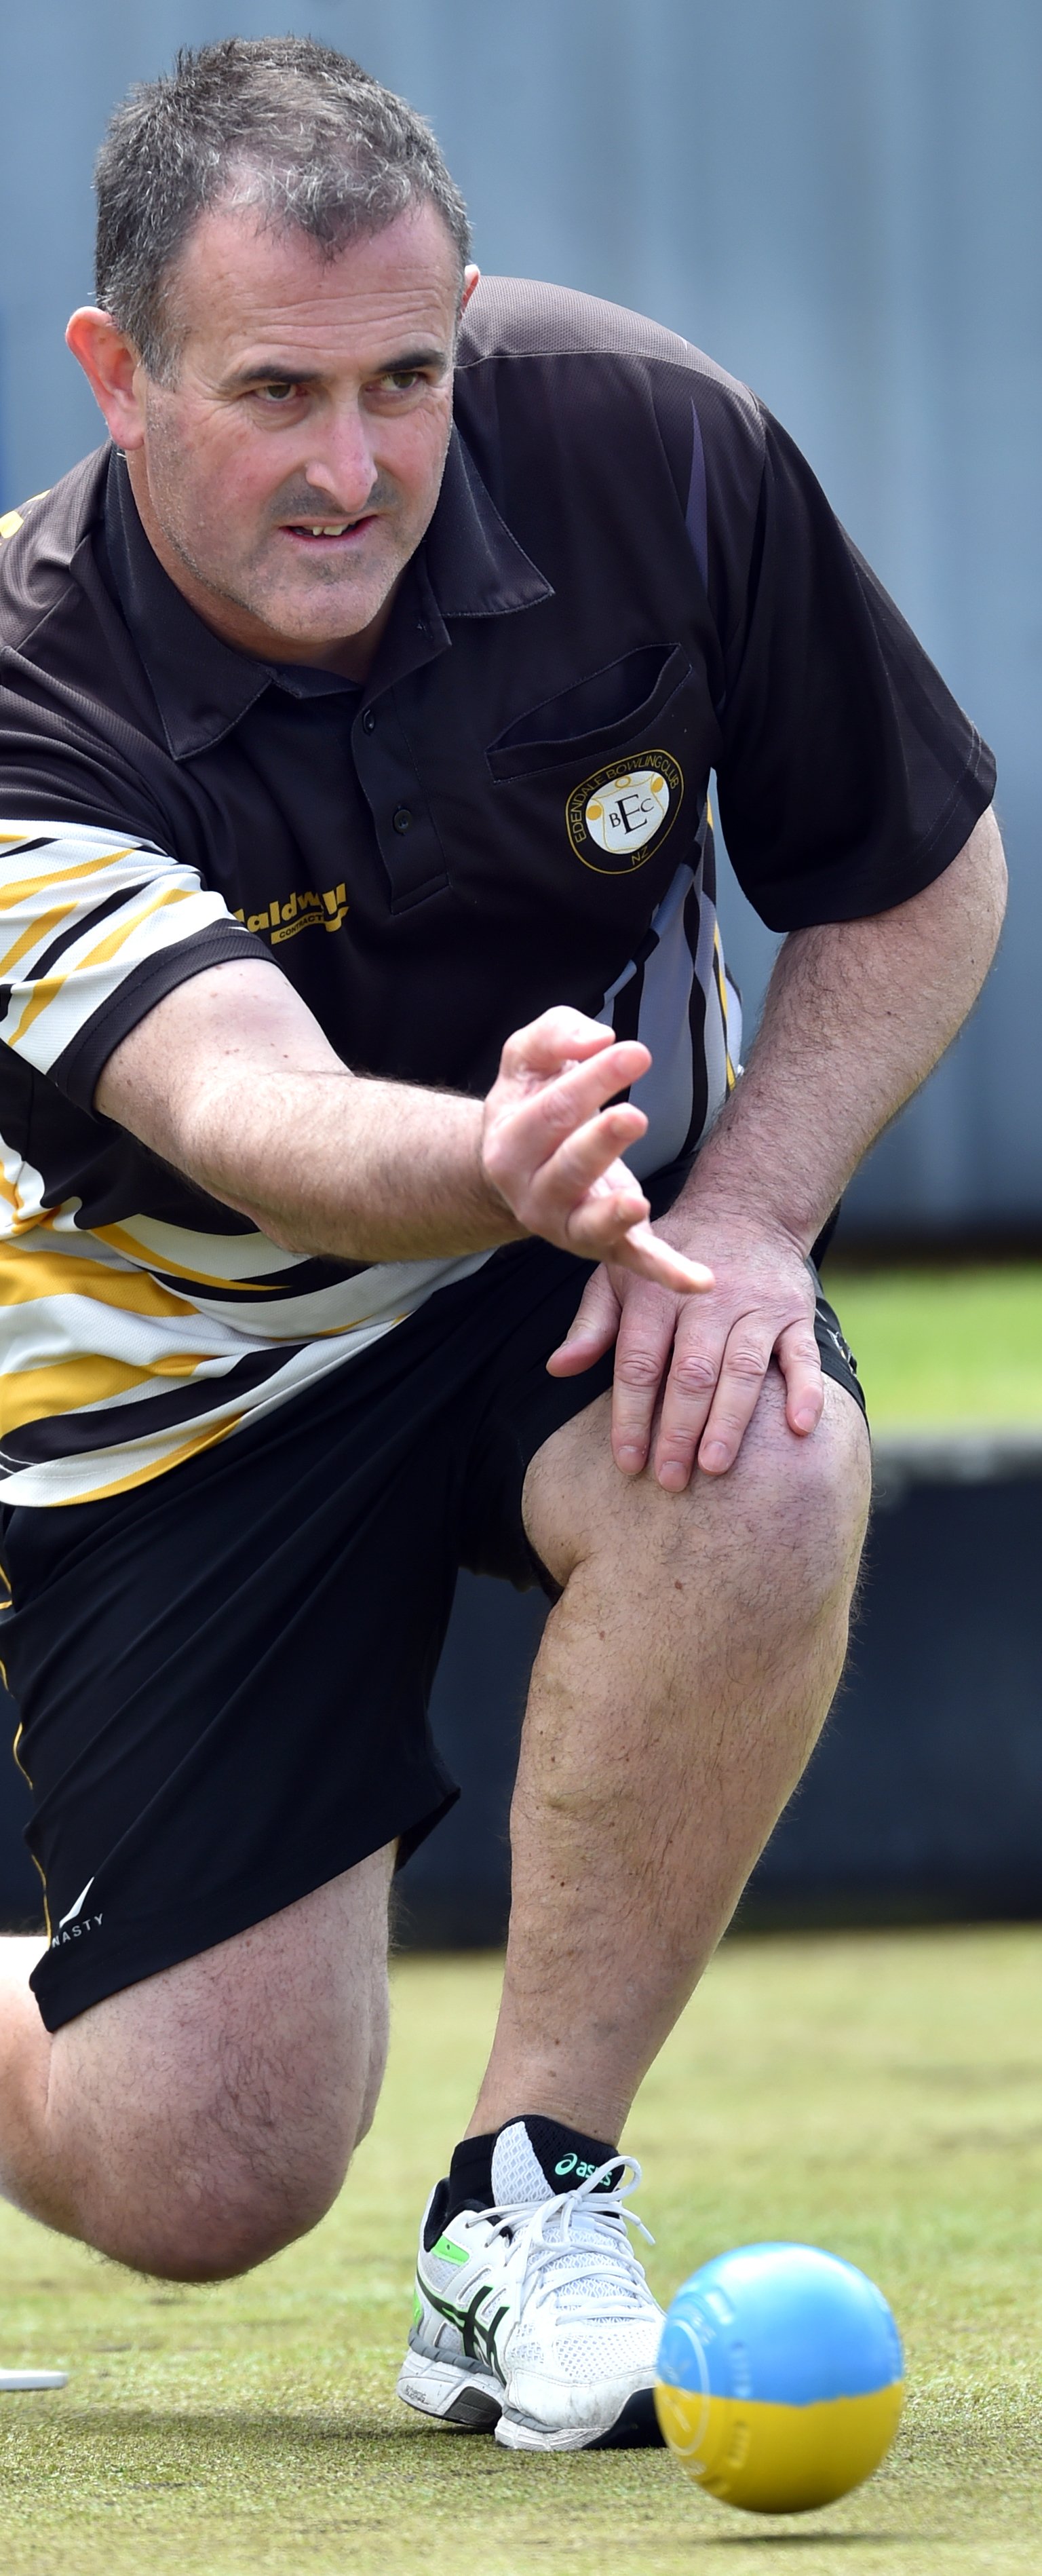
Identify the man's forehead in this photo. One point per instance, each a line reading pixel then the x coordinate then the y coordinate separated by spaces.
pixel 243 286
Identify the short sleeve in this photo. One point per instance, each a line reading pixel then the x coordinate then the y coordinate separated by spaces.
pixel 848 777
pixel 94 930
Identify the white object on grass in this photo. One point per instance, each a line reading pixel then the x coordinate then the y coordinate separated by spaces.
pixel 34 2379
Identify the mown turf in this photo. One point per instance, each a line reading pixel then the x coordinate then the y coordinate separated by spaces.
pixel 945 1347
pixel 879 2094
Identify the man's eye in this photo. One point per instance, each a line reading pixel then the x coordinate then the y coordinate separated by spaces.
pixel 402 379
pixel 278 392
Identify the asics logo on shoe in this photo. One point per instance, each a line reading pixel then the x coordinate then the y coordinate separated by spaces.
pixel 571 2164
pixel 479 2341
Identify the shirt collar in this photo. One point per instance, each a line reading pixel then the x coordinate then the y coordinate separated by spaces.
pixel 471 566
pixel 200 685
pixel 475 565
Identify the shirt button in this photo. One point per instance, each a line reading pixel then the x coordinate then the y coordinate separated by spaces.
pixel 368 720
pixel 402 818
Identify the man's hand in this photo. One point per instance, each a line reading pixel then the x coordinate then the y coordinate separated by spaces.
pixel 550 1150
pixel 856 1013
pixel 231 1079
pixel 704 1360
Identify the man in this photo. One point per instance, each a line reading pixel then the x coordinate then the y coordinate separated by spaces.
pixel 357 866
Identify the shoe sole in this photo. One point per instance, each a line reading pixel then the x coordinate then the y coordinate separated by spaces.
pixel 635 2429
pixel 467 2401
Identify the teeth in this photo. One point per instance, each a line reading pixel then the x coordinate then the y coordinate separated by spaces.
pixel 337 528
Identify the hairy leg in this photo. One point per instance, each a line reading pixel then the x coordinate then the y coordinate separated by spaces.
pixel 682 1680
pixel 198 2121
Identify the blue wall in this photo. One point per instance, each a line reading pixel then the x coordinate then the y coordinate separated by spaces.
pixel 841 199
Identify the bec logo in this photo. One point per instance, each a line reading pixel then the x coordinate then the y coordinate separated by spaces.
pixel 618 818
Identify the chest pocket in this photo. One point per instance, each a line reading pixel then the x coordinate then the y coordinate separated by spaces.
pixel 599 715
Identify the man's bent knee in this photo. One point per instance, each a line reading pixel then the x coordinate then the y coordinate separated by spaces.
pixel 790 1504
pixel 201 2120
pixel 218 2189
pixel 220 2222
pixel 809 1496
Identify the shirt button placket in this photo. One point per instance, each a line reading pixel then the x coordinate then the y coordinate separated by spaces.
pixel 405 827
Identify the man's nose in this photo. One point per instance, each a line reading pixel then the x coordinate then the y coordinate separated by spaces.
pixel 343 468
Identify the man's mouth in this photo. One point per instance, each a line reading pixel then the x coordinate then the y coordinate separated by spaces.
pixel 330 531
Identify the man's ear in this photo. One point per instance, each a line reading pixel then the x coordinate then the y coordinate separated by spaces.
pixel 471 279
pixel 110 363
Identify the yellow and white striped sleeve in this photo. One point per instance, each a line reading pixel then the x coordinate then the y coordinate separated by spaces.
pixel 94 930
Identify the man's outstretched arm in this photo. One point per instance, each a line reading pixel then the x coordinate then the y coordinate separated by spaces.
pixel 231 1079
pixel 857 1013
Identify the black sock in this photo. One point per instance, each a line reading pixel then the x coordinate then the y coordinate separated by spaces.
pixel 470 2174
pixel 563 2158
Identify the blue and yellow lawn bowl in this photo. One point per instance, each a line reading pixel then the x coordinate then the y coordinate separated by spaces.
pixel 780 2377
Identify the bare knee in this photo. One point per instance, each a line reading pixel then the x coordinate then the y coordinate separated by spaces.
pixel 779 1535
pixel 222 2221
pixel 786 1525
pixel 200 2121
pixel 223 2186
pixel 806 1499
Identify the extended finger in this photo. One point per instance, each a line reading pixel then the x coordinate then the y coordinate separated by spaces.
pixel 559 1037
pixel 608 1224
pixel 800 1363
pixel 521 1134
pixel 644 1252
pixel 570 1190
pixel 580 1089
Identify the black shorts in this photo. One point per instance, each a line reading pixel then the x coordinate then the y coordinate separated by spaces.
pixel 223 1675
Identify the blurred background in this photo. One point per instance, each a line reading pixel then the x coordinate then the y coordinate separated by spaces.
pixel 842 201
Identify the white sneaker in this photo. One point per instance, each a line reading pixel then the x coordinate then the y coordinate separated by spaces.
pixel 535 2316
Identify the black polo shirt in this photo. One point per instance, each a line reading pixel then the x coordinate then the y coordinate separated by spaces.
pixel 631 579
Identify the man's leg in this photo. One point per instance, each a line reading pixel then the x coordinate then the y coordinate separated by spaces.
pixel 681 1683
pixel 682 1679
pixel 196 2122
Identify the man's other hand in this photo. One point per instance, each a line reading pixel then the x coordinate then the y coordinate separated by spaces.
pixel 688 1373
pixel 550 1150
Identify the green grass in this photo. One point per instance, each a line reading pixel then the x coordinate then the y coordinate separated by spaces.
pixel 945 1348
pixel 878 2093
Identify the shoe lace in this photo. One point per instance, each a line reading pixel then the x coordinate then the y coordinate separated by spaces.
pixel 573 2248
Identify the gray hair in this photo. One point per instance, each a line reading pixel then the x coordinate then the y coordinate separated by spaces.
pixel 278 123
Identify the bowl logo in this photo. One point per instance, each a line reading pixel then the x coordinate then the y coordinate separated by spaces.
pixel 618 818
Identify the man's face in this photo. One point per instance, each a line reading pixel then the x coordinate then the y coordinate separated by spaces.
pixel 290 472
